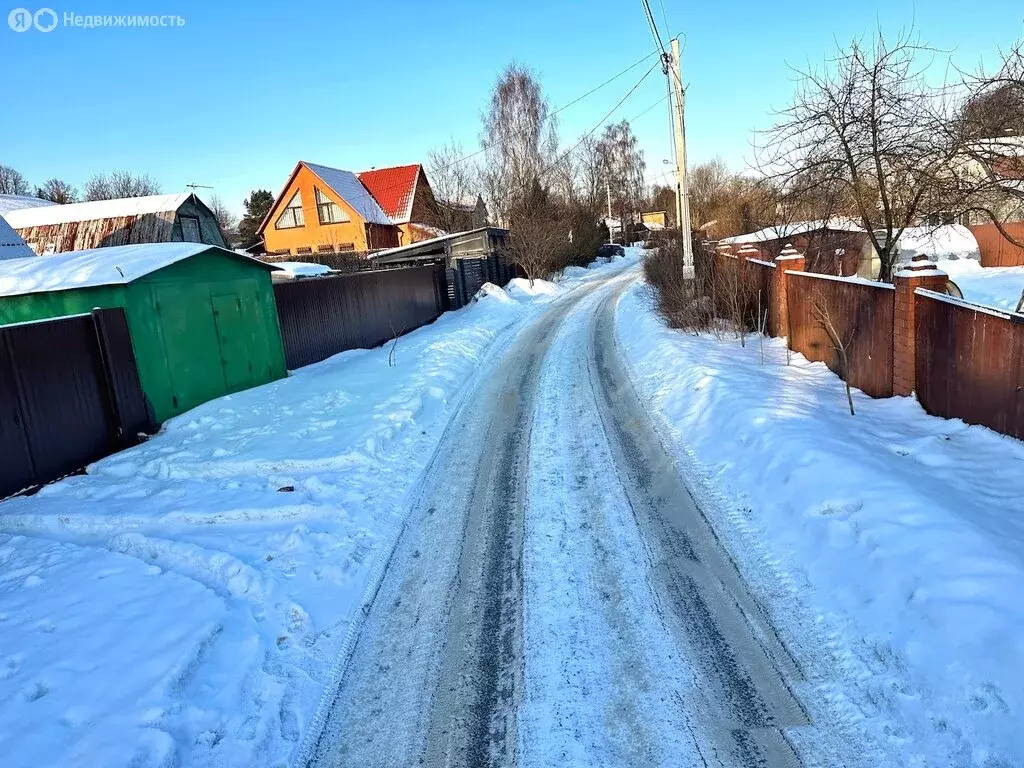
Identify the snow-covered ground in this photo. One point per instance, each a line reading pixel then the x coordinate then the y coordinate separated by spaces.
pixel 998 287
pixel 187 601
pixel 898 536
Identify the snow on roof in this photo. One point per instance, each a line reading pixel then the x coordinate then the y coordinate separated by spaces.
pixel 117 265
pixel 393 189
pixel 348 187
pixel 11 244
pixel 301 269
pixel 17 202
pixel 98 209
pixel 950 241
pixel 796 228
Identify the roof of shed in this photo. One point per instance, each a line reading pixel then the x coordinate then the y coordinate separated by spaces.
pixel 17 202
pixel 394 189
pixel 796 228
pixel 118 265
pixel 97 209
pixel 350 189
pixel 11 244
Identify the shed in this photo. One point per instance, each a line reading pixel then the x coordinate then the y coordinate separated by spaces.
pixel 202 319
pixel 175 218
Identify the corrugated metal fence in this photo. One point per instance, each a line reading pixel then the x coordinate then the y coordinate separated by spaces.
pixel 69 395
pixel 970 363
pixel 325 316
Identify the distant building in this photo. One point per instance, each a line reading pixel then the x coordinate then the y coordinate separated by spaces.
pixel 182 217
pixel 654 220
pixel 835 246
pixel 326 210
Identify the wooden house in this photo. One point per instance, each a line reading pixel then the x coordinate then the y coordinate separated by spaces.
pixel 182 217
pixel 404 194
pixel 325 210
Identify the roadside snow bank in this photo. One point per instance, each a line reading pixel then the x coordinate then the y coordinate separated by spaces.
pixel 186 601
pixel 998 287
pixel 888 546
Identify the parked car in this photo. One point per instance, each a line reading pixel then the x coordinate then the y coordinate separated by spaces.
pixel 610 251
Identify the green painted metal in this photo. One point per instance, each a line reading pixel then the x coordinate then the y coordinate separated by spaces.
pixel 204 327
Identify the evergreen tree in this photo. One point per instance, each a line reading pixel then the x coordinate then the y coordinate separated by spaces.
pixel 256 205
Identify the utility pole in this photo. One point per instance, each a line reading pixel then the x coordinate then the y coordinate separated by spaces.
pixel 675 78
pixel 608 188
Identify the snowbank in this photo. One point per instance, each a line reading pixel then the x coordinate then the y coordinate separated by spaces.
pixel 888 546
pixel 186 602
pixel 998 287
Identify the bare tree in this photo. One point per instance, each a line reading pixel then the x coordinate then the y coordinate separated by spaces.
pixel 538 239
pixel 12 182
pixel 623 167
pixel 455 186
pixel 57 191
pixel 118 184
pixel 989 132
pixel 519 140
pixel 226 220
pixel 869 128
pixel 841 344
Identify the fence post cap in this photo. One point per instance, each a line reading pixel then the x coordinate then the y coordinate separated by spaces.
pixel 789 252
pixel 920 266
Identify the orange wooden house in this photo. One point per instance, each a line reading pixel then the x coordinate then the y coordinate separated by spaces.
pixel 326 210
pixel 329 210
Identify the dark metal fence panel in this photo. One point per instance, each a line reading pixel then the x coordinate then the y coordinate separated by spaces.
pixel 131 412
pixel 59 394
pixel 473 276
pixel 322 317
pixel 862 315
pixel 969 364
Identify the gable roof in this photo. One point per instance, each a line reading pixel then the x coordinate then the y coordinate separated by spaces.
pixel 11 244
pixel 116 265
pixel 97 209
pixel 394 189
pixel 349 188
pixel 344 184
pixel 17 202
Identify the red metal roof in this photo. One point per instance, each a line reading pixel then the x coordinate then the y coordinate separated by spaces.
pixel 393 188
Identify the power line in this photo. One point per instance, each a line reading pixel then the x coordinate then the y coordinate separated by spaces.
pixel 547 117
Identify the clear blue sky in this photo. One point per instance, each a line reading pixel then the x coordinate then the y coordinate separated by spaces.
pixel 240 93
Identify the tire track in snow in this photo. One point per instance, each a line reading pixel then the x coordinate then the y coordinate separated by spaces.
pixel 742 667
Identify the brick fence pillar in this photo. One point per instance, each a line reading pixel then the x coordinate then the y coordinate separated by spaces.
pixel 921 273
pixel 778 312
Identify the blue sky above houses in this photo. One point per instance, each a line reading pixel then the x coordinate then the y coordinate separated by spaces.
pixel 238 94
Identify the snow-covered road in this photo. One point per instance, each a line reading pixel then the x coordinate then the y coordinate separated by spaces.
pixel 557 597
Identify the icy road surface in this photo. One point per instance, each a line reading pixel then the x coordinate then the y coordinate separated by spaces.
pixel 557 597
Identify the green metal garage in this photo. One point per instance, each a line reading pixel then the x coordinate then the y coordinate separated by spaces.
pixel 203 319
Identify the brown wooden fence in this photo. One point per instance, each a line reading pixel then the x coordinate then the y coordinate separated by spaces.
pixel 970 363
pixel 69 395
pixel 862 315
pixel 322 317
pixel 996 250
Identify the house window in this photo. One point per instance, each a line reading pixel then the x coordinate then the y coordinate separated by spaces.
pixel 190 229
pixel 292 214
pixel 329 211
pixel 303 251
